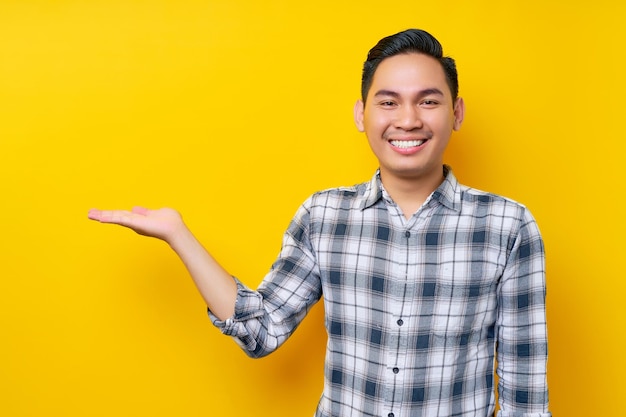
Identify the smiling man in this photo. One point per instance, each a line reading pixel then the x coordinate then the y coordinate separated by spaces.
pixel 425 282
pixel 409 117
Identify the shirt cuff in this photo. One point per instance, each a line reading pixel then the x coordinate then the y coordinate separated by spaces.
pixel 248 305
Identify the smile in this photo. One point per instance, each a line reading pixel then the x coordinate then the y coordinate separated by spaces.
pixel 405 144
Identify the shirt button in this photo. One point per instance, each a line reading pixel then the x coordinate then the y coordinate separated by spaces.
pixel 396 370
pixel 407 234
pixel 400 322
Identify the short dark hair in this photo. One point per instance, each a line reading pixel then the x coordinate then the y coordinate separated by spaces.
pixel 408 41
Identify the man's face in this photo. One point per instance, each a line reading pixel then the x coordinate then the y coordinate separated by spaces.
pixel 409 117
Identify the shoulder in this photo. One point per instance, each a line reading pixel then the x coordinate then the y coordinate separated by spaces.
pixel 509 213
pixel 345 197
pixel 329 206
pixel 472 202
pixel 474 197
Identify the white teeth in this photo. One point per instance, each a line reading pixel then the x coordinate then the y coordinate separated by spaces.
pixel 406 143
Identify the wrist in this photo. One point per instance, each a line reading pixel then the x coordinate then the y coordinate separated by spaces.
pixel 180 238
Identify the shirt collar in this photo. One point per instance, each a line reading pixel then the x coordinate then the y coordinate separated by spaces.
pixel 448 193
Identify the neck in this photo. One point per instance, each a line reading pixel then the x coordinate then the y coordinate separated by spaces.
pixel 409 193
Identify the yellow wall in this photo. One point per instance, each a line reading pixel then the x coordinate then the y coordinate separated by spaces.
pixel 233 112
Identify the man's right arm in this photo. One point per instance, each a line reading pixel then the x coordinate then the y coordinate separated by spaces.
pixel 217 287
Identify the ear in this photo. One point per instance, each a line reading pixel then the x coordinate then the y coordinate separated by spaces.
pixel 459 113
pixel 358 115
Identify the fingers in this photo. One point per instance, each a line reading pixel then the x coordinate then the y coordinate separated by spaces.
pixel 121 217
pixel 93 214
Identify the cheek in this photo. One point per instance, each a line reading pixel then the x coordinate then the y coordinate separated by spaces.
pixel 443 124
pixel 375 124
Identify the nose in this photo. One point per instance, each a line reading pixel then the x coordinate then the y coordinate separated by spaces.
pixel 408 118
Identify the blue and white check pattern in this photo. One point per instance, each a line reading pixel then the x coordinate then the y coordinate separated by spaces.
pixel 414 308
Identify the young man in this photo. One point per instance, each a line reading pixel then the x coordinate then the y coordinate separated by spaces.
pixel 425 281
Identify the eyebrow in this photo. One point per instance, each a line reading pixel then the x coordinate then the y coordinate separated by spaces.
pixel 422 93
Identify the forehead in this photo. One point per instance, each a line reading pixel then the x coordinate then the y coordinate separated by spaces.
pixel 409 72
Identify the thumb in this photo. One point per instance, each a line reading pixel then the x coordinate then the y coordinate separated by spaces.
pixel 140 210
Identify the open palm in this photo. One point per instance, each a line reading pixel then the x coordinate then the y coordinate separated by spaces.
pixel 163 223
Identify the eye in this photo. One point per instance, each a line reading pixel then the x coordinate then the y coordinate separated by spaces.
pixel 429 103
pixel 387 103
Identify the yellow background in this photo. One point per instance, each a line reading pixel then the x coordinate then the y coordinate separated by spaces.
pixel 234 112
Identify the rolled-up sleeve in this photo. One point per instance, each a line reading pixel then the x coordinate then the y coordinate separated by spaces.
pixel 522 346
pixel 265 318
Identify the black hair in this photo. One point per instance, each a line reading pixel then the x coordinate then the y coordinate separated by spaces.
pixel 408 41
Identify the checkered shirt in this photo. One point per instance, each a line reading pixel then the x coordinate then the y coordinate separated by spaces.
pixel 415 310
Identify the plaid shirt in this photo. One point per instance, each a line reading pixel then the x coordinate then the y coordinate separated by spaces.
pixel 414 308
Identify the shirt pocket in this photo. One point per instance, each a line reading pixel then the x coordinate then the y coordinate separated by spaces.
pixel 465 301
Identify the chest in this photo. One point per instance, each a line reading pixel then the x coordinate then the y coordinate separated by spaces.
pixel 377 271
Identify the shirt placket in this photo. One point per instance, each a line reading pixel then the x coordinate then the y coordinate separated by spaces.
pixel 402 294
